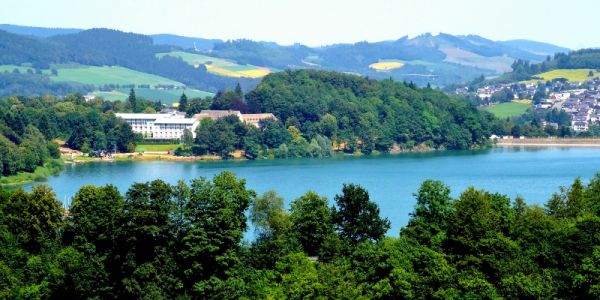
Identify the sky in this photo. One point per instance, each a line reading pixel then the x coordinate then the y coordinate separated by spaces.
pixel 320 22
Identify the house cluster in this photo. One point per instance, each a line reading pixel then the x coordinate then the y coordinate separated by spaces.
pixel 170 124
pixel 584 108
pixel 581 100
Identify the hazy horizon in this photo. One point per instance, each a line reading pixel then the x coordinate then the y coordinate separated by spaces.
pixel 317 23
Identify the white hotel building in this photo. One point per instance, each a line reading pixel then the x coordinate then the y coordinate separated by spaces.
pixel 160 126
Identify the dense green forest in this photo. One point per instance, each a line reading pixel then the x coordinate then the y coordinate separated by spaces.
pixel 28 126
pixel 358 113
pixel 319 111
pixel 185 241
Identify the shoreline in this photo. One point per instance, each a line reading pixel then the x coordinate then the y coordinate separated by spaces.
pixel 149 157
pixel 550 142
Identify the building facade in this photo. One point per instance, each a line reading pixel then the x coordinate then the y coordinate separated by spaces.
pixel 160 126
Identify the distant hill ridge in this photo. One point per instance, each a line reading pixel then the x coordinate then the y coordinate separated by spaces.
pixel 441 59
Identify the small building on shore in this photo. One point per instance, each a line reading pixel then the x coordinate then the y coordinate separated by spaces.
pixel 218 114
pixel 255 119
pixel 250 119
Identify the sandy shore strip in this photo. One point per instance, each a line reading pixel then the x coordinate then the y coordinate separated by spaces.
pixel 550 142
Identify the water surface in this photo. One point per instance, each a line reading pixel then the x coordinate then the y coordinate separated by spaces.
pixel 391 180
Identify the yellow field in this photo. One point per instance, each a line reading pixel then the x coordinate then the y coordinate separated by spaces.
pixel 386 65
pixel 524 101
pixel 255 73
pixel 579 75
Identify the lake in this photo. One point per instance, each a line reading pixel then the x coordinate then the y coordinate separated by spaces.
pixel 534 173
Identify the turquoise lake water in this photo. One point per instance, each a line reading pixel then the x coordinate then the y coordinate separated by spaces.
pixel 391 180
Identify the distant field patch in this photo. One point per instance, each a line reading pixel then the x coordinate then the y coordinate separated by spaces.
pixel 165 96
pixel 386 65
pixel 509 109
pixel 11 68
pixel 219 66
pixel 579 75
pixel 498 64
pixel 155 147
pixel 109 75
pixel 524 101
pixel 111 96
pixel 168 96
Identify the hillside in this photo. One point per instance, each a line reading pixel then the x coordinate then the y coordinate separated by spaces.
pixel 219 66
pixel 99 47
pixel 574 66
pixel 440 60
pixel 538 48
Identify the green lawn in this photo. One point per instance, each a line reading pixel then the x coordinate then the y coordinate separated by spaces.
pixel 570 74
pixel 109 75
pixel 166 96
pixel 11 68
pixel 112 95
pixel 155 147
pixel 509 109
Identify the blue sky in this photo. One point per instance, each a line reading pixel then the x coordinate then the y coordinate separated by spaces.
pixel 318 22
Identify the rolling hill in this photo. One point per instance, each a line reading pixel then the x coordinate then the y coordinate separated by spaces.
pixel 211 64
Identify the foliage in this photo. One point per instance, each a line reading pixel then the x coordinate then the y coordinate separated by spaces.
pixel 370 115
pixel 184 241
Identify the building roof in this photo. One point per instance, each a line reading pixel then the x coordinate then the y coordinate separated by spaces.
pixel 217 114
pixel 185 121
pixel 140 116
pixel 249 117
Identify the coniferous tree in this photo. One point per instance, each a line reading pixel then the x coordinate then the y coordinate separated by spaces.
pixel 183 103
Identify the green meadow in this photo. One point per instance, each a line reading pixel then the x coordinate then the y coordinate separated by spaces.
pixel 508 109
pixel 166 96
pixel 109 75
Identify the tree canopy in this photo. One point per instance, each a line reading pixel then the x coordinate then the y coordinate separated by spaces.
pixel 185 241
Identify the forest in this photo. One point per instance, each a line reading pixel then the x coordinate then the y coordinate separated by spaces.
pixel 359 113
pixel 29 126
pixel 319 112
pixel 186 241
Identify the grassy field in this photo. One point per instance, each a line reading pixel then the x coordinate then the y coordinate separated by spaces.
pixel 570 74
pixel 509 109
pixel 386 65
pixel 166 96
pixel 220 66
pixel 11 68
pixel 112 95
pixel 109 75
pixel 156 147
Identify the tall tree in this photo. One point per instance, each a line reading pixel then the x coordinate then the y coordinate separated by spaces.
pixel 429 221
pixel 312 221
pixel 132 100
pixel 183 103
pixel 357 217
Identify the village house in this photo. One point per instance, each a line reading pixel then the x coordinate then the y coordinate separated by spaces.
pixel 255 119
pixel 250 119
pixel 218 114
